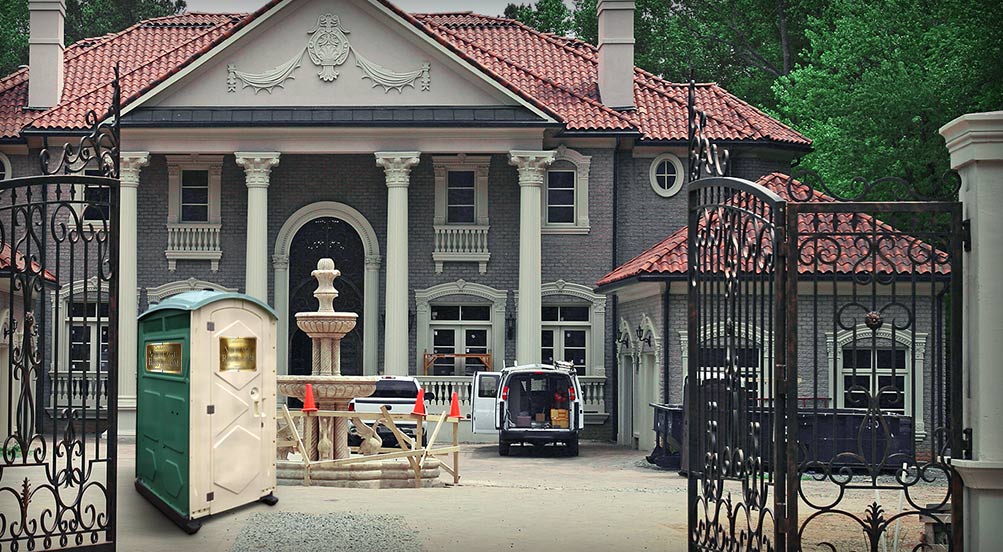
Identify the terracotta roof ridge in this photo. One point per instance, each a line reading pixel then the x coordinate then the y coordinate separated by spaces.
pixel 122 76
pixel 712 86
pixel 747 105
pixel 550 82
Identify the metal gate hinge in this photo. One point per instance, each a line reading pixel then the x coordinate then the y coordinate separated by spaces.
pixel 210 326
pixel 966 444
pixel 209 497
pixel 966 234
pixel 210 409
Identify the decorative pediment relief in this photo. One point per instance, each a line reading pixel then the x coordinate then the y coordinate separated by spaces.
pixel 328 48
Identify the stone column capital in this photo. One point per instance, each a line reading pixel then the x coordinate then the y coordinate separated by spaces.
pixel 373 262
pixel 974 137
pixel 532 165
pixel 397 165
pixel 280 262
pixel 257 167
pixel 130 163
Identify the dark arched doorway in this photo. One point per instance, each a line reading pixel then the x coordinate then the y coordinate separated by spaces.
pixel 334 238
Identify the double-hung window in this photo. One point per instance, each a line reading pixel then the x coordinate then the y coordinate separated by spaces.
pixel 195 196
pixel 566 335
pixel 560 197
pixel 875 377
pixel 461 210
pixel 87 324
pixel 193 210
pixel 461 202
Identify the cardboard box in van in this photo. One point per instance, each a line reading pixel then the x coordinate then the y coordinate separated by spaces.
pixel 559 418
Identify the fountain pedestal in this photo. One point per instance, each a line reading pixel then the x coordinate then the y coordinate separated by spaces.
pixel 327 438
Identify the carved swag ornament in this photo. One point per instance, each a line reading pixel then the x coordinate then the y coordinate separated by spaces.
pixel 328 48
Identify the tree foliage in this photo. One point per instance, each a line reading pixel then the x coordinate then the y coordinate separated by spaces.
pixel 549 16
pixel 880 78
pixel 869 82
pixel 84 19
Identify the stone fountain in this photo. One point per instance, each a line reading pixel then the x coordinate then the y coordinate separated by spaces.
pixel 323 438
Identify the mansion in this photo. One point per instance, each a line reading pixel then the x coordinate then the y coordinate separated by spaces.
pixel 473 179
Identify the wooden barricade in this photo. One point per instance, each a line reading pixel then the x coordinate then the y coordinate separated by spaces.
pixel 411 449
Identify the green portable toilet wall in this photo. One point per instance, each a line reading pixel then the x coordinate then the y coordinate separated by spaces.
pixel 205 432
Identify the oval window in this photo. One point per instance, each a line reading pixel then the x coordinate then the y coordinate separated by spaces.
pixel 666 175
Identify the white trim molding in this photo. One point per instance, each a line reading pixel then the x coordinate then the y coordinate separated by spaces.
pixel 423 298
pixel 915 346
pixel 5 167
pixel 193 240
pixel 597 318
pixel 461 242
pixel 582 164
pixel 371 283
pixel 677 185
pixel 648 328
pixel 745 331
pixel 157 294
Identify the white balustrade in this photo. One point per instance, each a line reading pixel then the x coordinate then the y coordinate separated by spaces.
pixel 193 241
pixel 593 392
pixel 461 243
pixel 79 389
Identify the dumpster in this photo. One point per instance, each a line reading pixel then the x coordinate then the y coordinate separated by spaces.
pixel 205 412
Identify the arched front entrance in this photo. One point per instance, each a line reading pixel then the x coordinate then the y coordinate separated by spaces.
pixel 332 238
pixel 335 230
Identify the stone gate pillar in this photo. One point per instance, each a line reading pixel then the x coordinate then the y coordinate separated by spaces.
pixel 975 142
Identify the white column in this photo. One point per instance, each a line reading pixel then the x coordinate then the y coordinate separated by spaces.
pixel 129 166
pixel 370 320
pixel 257 170
pixel 532 167
pixel 976 145
pixel 280 263
pixel 397 166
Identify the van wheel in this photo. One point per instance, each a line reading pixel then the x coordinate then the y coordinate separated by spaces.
pixel 503 448
pixel 572 446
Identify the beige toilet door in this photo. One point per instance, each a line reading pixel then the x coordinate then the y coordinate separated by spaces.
pixel 237 425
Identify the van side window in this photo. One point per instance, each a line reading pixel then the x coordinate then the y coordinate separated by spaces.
pixel 488 388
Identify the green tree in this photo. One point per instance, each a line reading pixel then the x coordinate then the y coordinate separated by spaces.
pixel 549 16
pixel 84 19
pixel 880 78
pixel 742 44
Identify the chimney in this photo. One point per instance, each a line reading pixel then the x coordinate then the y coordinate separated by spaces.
pixel 616 53
pixel 45 52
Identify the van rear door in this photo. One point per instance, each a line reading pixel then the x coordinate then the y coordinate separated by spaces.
pixel 484 402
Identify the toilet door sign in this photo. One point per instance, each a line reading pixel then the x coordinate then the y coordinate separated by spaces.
pixel 238 354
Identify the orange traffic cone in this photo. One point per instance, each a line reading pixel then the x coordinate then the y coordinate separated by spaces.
pixel 454 406
pixel 419 404
pixel 308 403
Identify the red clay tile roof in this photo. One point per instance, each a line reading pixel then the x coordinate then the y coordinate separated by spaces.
pixel 35 267
pixel 557 74
pixel 900 255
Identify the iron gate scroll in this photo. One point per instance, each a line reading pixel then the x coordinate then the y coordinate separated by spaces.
pixel 58 354
pixel 824 384
pixel 735 282
pixel 874 304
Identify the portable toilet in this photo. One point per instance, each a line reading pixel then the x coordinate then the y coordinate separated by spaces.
pixel 205 412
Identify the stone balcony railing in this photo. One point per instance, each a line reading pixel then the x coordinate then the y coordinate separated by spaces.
pixel 593 394
pixel 193 241
pixel 461 243
pixel 79 389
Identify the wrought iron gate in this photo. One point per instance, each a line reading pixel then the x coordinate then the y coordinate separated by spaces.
pixel 824 378
pixel 58 353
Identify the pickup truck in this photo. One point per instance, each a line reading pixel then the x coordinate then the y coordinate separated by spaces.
pixel 398 394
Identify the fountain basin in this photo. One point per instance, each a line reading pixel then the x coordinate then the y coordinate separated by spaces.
pixel 328 388
pixel 325 324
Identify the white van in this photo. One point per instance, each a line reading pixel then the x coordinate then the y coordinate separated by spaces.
pixel 536 404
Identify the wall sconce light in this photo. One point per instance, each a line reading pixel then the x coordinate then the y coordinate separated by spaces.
pixel 623 338
pixel 509 327
pixel 642 336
